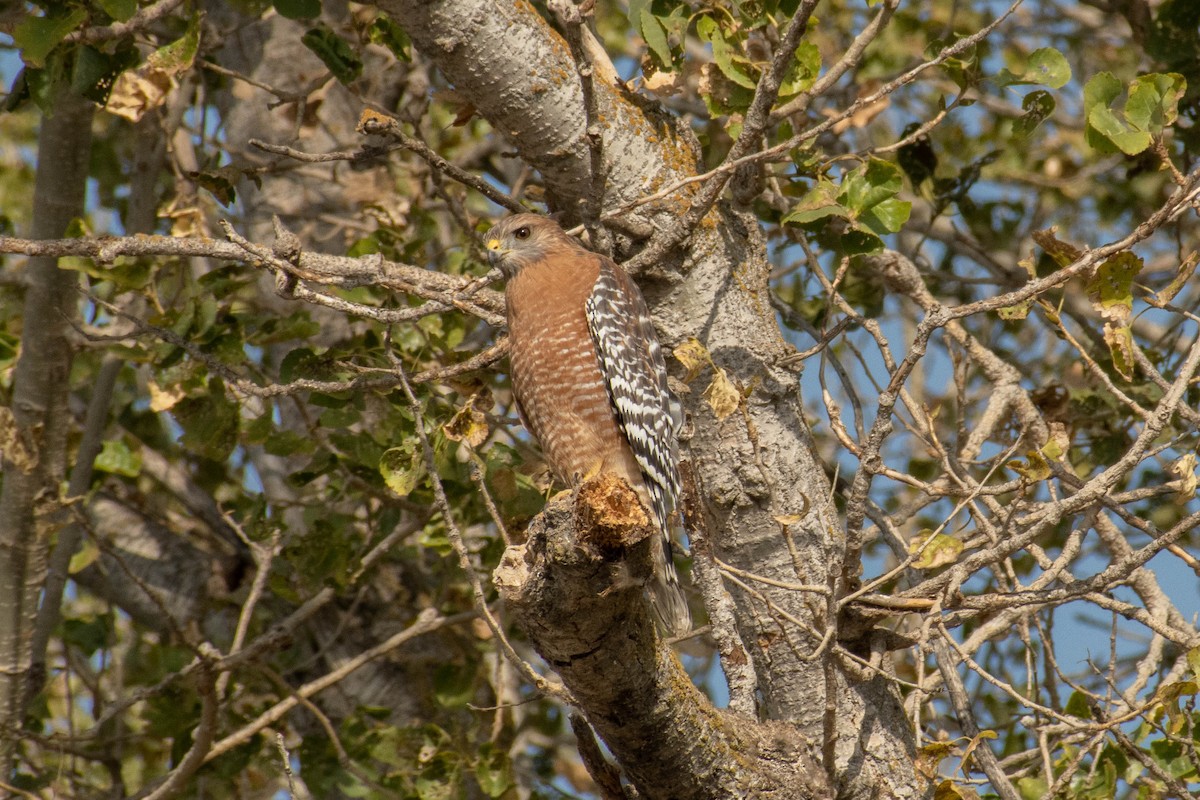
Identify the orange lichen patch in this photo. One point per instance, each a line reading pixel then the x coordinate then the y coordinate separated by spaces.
pixel 609 515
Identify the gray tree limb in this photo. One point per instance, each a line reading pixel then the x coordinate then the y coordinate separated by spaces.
pixel 571 591
pixel 33 434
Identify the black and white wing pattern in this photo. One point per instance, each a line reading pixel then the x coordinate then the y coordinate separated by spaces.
pixel 635 374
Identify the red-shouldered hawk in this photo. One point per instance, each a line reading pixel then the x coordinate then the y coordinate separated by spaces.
pixel 589 377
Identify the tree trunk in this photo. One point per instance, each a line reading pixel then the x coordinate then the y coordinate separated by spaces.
pixel 34 431
pixel 754 466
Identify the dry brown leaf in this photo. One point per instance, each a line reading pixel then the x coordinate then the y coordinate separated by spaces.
pixel 722 396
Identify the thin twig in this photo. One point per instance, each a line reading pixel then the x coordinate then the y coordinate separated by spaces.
pixel 542 684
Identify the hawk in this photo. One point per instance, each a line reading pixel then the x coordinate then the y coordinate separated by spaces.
pixel 589 377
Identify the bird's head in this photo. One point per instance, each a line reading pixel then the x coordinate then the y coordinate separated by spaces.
pixel 523 239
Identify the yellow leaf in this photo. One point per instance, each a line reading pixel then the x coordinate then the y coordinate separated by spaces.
pixel 934 550
pixel 929 756
pixel 1052 450
pixel 468 425
pixel 1021 309
pixel 163 399
pixel 1193 660
pixel 722 396
pixel 946 790
pixel 1038 469
pixel 84 556
pixel 1063 253
pixel 1185 470
pixel 1120 346
pixel 1182 276
pixel 974 743
pixel 402 469
pixel 134 94
pixel 693 355
pixel 1111 286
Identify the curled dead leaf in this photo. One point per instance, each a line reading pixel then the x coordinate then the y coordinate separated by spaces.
pixel 722 395
pixel 468 425
pixel 1185 470
pixel 1119 339
pixel 135 93
pixel 693 355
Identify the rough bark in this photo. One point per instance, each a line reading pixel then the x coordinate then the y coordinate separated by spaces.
pixel 34 434
pixel 519 75
pixel 569 587
pixel 753 466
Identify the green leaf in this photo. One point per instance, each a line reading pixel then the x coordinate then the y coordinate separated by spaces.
pixel 385 32
pixel 287 443
pixel 820 202
pixel 37 36
pixel 298 9
pixel 1031 788
pixel 402 469
pixel 119 10
pixel 1152 105
pixel 493 770
pixel 1129 141
pixel 1077 706
pixel 116 458
pixel 209 422
pixel 87 554
pixel 334 52
pixel 888 216
pixel 803 72
pixel 655 36
pixel 1110 289
pixel 94 71
pixel 1048 68
pixel 725 55
pixel 1193 662
pixel 1154 101
pixel 454 685
pixel 180 54
pixel 439 779
pixel 1174 37
pixel 1038 107
pixel 88 634
pixel 869 185
pixel 1102 89
pixel 653 30
pixel 857 241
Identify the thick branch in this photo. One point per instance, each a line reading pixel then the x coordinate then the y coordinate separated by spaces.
pixel 569 588
pixel 444 290
pixel 519 74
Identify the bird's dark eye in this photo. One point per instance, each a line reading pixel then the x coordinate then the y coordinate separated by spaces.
pixel 522 232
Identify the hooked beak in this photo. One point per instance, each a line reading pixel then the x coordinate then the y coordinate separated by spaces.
pixel 494 252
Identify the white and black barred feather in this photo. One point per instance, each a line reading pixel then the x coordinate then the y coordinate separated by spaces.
pixel 635 375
